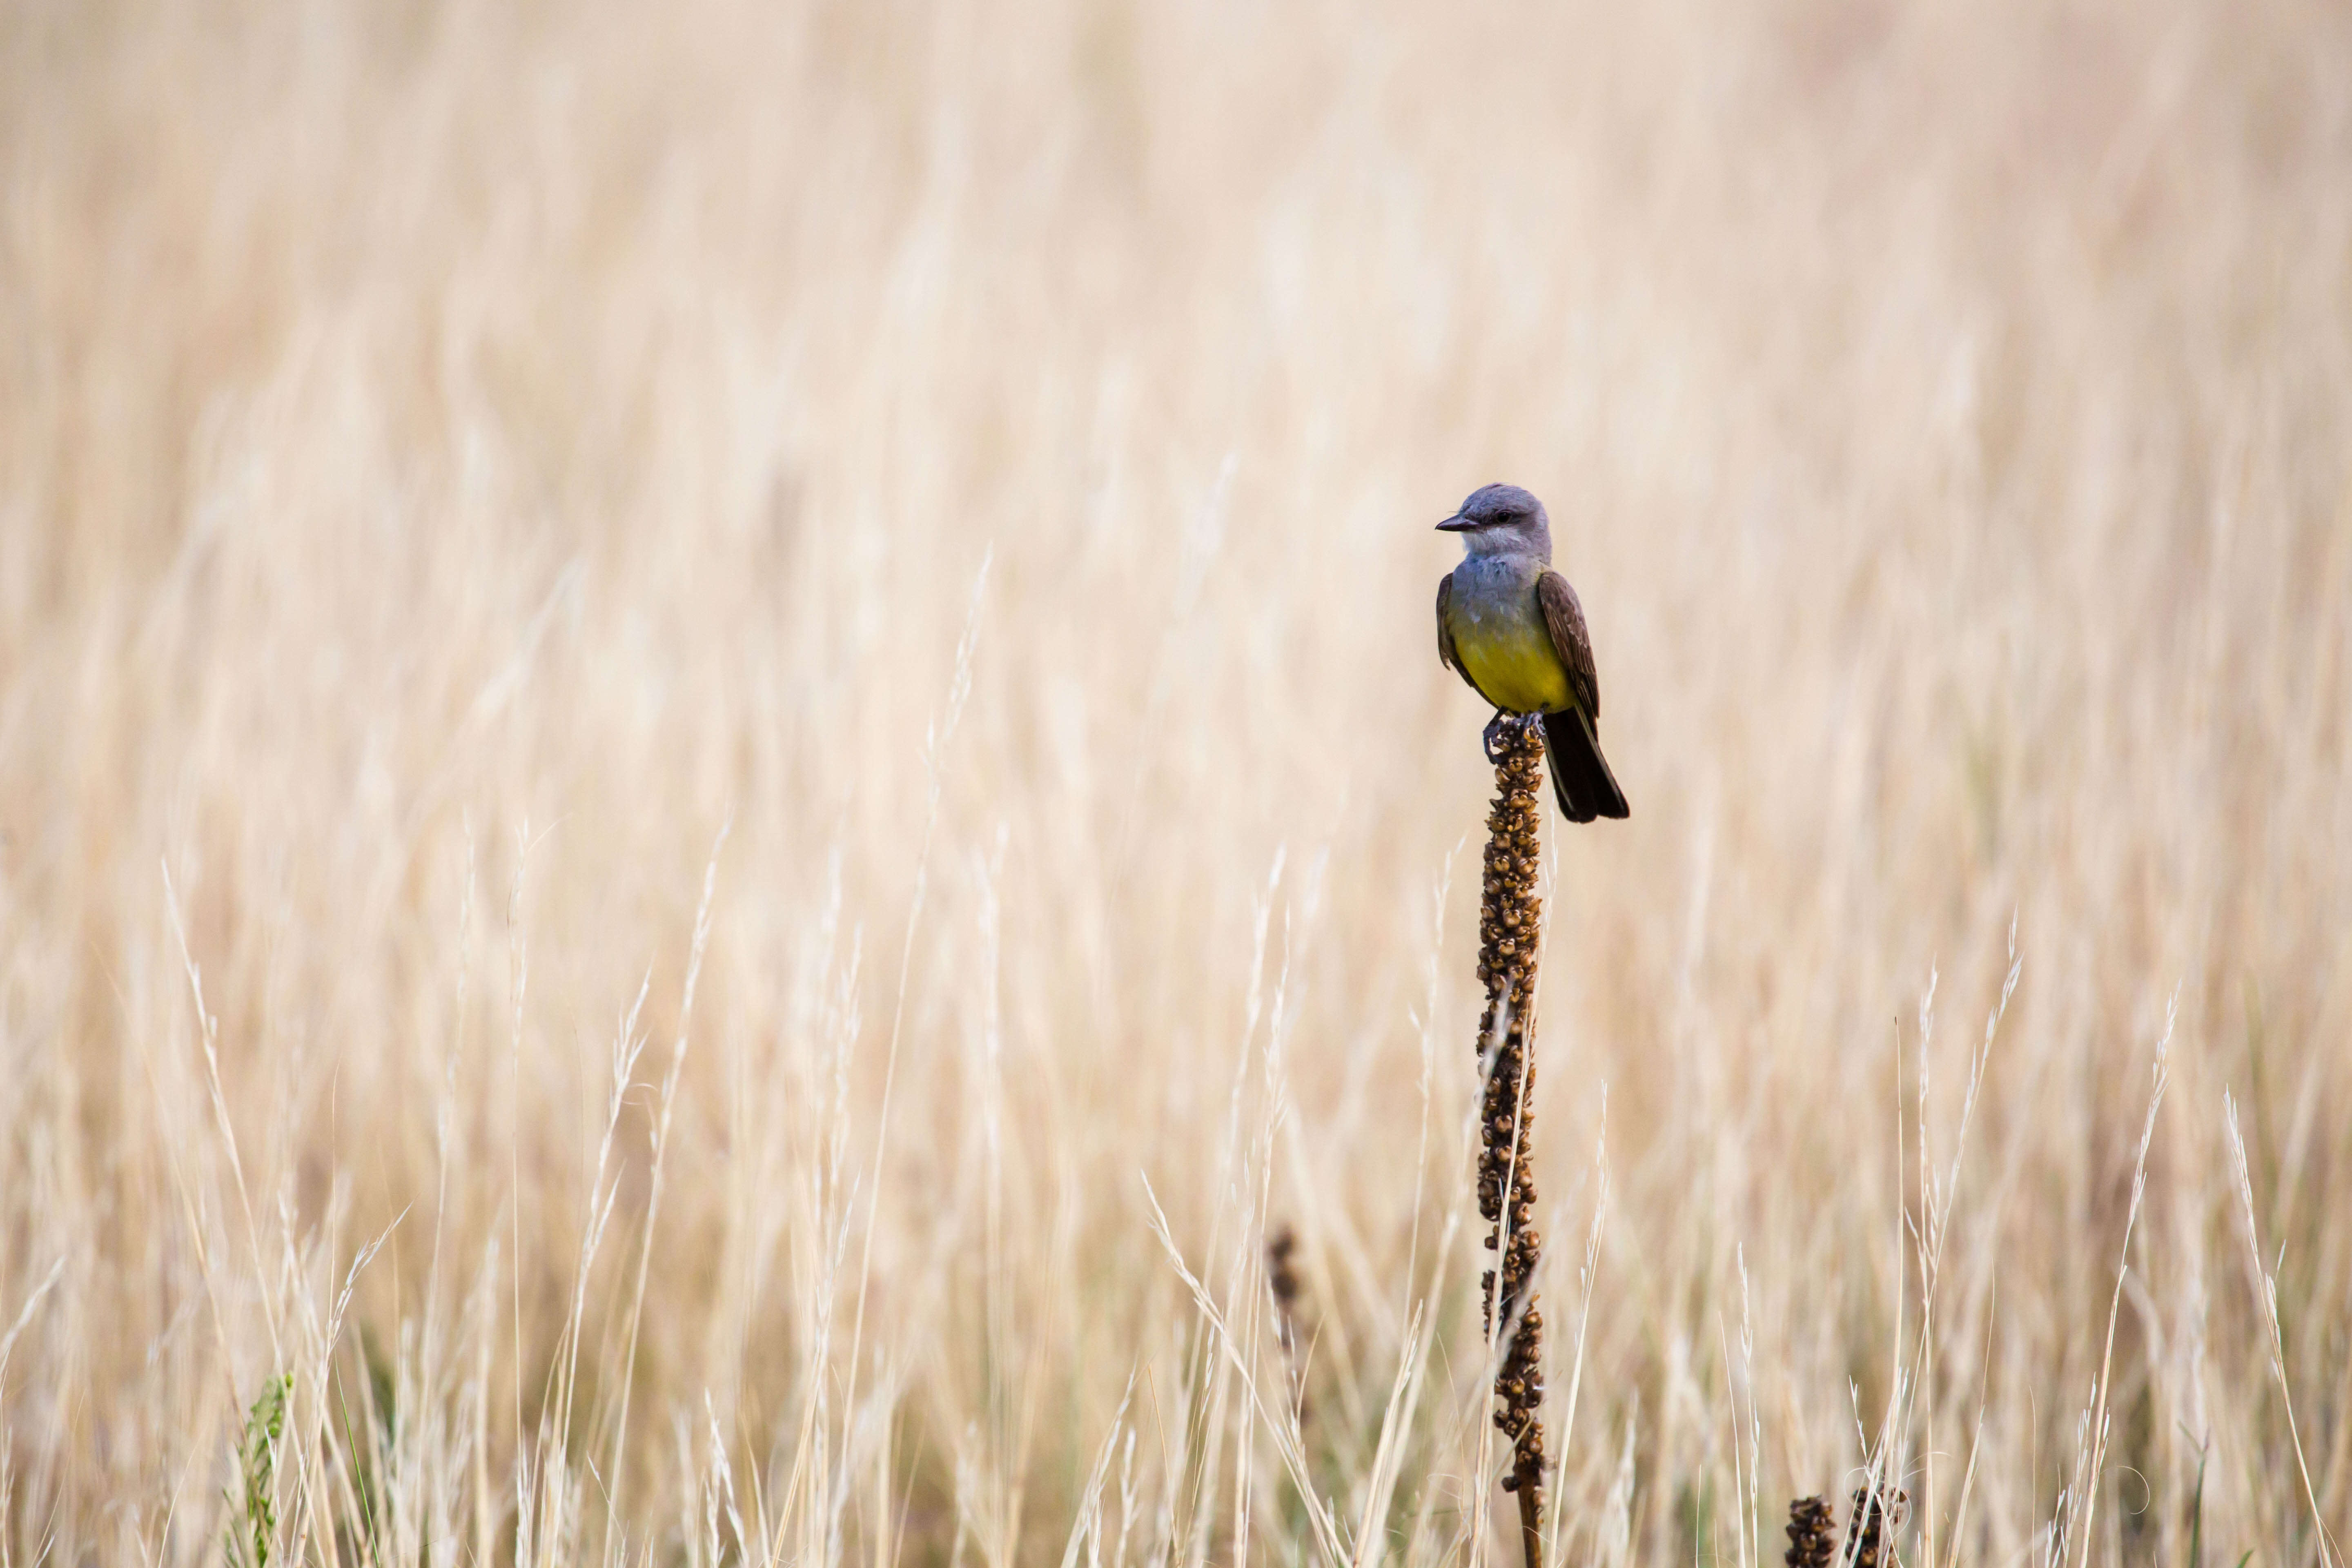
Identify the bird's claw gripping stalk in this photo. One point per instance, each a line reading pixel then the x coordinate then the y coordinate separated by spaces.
pixel 1497 735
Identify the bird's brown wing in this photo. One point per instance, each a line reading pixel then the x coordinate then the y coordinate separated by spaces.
pixel 1446 654
pixel 1564 619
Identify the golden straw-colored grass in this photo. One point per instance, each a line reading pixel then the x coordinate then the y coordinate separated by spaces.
pixel 945 491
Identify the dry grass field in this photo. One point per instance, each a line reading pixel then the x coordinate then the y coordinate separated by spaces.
pixel 721 769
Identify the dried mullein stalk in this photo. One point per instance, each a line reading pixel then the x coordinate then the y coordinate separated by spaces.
pixel 1282 1278
pixel 1812 1533
pixel 1509 923
pixel 1877 1515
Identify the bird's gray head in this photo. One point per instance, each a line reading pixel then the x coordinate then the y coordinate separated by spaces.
pixel 1502 519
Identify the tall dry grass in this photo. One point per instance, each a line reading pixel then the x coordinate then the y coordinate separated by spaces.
pixel 474 478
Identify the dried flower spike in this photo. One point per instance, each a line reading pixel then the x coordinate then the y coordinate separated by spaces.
pixel 1282 1278
pixel 1511 919
pixel 1812 1533
pixel 1877 1514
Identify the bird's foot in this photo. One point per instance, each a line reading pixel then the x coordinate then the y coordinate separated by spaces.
pixel 1498 729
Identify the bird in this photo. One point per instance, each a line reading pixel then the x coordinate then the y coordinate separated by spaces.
pixel 1512 629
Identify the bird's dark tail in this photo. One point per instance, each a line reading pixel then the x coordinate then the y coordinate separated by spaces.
pixel 1579 773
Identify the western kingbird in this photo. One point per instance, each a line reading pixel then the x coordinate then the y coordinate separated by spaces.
pixel 1512 627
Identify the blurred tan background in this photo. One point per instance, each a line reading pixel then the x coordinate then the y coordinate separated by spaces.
pixel 454 460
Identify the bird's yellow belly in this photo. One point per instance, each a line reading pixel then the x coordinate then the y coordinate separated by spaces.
pixel 1514 667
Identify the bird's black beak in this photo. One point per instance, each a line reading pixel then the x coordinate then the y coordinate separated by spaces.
pixel 1457 524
